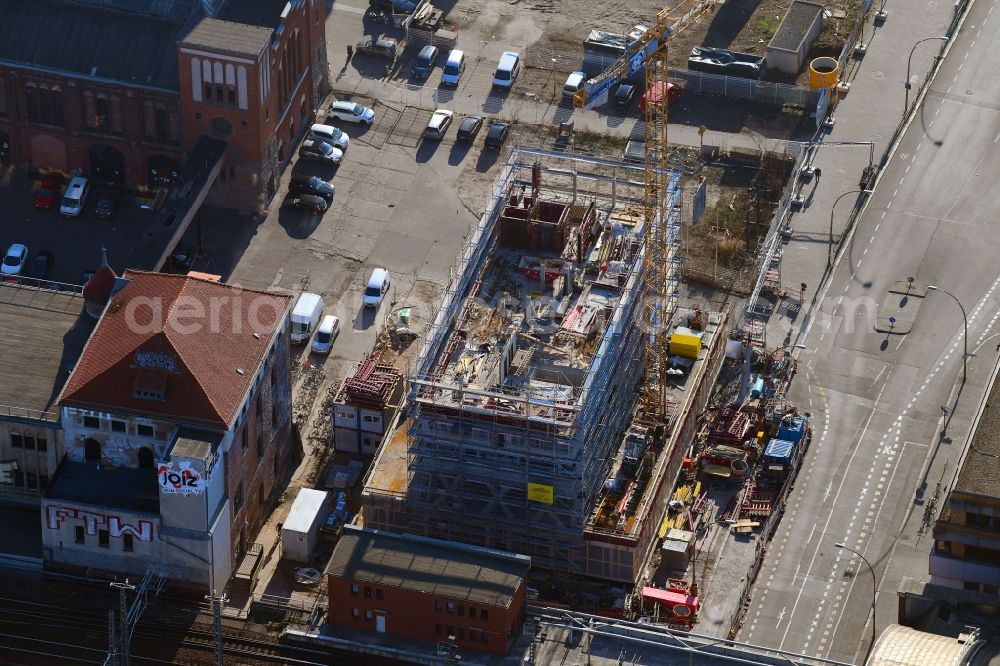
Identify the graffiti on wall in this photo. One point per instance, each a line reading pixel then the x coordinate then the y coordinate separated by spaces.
pixel 93 521
pixel 179 477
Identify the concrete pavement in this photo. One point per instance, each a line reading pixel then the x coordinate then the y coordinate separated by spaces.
pixel 877 397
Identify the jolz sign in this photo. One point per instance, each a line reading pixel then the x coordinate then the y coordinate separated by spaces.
pixel 179 478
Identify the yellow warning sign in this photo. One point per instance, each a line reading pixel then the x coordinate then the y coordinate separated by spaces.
pixel 538 492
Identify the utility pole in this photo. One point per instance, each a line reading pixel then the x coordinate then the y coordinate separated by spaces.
pixel 112 658
pixel 124 658
pixel 217 602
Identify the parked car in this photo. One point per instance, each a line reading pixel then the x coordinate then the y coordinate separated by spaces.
pixel 655 94
pixel 425 62
pixel 507 70
pixel 308 202
pixel 624 95
pixel 382 47
pixel 497 134
pixel 320 151
pixel 106 207
pixel 573 83
pixel 469 128
pixel 46 194
pixel 75 197
pixel 180 261
pixel 326 333
pixel 438 124
pixel 306 184
pixel 375 290
pixel 41 265
pixel 331 135
pixel 453 68
pixel 13 262
pixel 352 113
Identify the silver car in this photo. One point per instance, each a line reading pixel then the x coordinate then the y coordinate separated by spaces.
pixel 351 113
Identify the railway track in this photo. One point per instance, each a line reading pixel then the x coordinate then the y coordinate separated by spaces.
pixel 37 633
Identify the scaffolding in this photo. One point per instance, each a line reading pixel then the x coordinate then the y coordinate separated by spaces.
pixel 511 424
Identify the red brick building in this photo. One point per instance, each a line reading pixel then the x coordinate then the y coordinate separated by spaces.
pixel 121 90
pixel 429 590
pixel 178 432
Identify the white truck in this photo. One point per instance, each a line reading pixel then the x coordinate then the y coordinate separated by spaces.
pixel 306 314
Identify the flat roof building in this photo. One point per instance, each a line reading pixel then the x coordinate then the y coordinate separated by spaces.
pixel 425 589
pixel 44 332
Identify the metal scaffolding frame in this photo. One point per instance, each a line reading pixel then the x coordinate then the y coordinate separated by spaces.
pixel 469 466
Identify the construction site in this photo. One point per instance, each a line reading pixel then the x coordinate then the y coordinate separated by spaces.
pixel 565 402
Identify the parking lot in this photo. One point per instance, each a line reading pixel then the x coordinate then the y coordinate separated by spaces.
pixel 74 242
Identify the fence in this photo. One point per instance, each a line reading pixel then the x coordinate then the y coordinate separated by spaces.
pixel 735 87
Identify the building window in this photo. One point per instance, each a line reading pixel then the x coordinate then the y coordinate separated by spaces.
pixel 437 605
pixel 451 609
pixel 461 634
pixel 43 481
pixel 380 594
pixel 128 543
pixel 231 95
pixel 355 613
pixel 41 443
pixel 438 629
pixel 18 478
pixel 103 539
pixel 239 496
pixel 92 422
pixel 451 631
pixel 368 592
pixel 32 479
pixel 354 589
pixel 118 426
pixel 989 589
pixel 484 614
pixel 78 535
pixel 3 97
pixel 970 587
pixel 368 614
pixel 44 104
pixel 208 92
pixel 473 635
pixel 145 430
pixel 245 439
pixel 942 547
pixel 484 638
pixel 29 442
pixel 16 441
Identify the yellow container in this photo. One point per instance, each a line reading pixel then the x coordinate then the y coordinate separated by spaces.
pixel 823 72
pixel 686 345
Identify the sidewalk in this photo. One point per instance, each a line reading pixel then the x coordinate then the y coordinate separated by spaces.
pixel 869 112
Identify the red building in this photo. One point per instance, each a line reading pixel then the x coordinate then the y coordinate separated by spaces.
pixel 427 590
pixel 121 90
pixel 178 432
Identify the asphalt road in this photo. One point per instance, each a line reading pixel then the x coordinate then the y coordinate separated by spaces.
pixel 876 391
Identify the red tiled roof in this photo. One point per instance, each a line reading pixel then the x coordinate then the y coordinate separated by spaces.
pixel 193 333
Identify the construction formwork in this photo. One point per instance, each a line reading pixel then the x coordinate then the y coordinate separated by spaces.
pixel 512 470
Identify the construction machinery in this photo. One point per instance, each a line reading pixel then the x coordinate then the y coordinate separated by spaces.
pixel 649 48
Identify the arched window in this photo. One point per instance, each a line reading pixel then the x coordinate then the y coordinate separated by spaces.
pixel 92 450
pixel 145 456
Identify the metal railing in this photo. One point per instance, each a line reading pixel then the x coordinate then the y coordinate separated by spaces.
pixel 735 87
pixel 12 412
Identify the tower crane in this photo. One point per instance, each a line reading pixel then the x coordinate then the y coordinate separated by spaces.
pixel 650 48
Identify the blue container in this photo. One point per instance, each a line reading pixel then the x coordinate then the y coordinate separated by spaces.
pixel 794 431
pixel 758 388
pixel 779 451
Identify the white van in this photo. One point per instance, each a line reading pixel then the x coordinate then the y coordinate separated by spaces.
pixel 452 72
pixel 507 70
pixel 325 335
pixel 378 285
pixel 330 134
pixel 75 197
pixel 573 83
pixel 305 316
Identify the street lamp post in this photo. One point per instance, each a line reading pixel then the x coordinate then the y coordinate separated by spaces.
pixel 829 249
pixel 906 84
pixel 844 546
pixel 965 335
